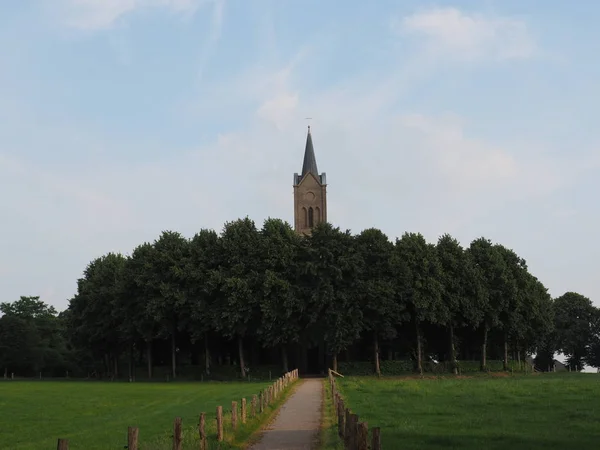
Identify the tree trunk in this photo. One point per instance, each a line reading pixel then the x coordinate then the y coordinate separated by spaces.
pixel 173 356
pixel 149 358
pixel 419 349
pixel 376 354
pixel 116 365
pixel 206 355
pixel 334 362
pixel 106 365
pixel 453 352
pixel 255 354
pixel 484 349
pixel 284 359
pixel 505 361
pixel 130 362
pixel 241 352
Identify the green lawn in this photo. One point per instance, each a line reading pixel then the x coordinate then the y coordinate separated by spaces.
pixel 95 415
pixel 549 411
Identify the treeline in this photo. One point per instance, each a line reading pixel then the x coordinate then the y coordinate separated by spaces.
pixel 251 296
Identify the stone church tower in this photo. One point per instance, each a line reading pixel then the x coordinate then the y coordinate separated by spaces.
pixel 310 192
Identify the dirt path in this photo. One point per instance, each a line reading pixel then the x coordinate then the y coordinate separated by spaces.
pixel 297 424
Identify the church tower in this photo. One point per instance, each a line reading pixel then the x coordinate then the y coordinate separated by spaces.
pixel 310 192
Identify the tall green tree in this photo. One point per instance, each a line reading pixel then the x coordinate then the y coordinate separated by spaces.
pixel 204 260
pixel 536 331
pixel 168 270
pixel 574 319
pixel 461 290
pixel 281 308
pixel 51 347
pixel 139 288
pixel 333 263
pixel 376 288
pixel 91 321
pixel 421 287
pixel 490 265
pixel 21 349
pixel 515 292
pixel 28 308
pixel 592 357
pixel 236 304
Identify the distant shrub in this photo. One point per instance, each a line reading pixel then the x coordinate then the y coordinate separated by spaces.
pixel 366 368
pixel 404 366
pixel 475 366
pixel 217 373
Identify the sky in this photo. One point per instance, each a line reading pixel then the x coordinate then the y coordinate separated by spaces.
pixel 123 118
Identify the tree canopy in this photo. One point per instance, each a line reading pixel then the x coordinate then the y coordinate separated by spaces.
pixel 247 297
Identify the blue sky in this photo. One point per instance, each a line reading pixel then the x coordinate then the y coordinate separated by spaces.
pixel 123 118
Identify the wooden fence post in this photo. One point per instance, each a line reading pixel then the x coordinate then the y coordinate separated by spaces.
pixel 376 441
pixel 261 402
pixel 132 438
pixel 202 431
pixel 219 423
pixel 347 428
pixel 341 419
pixel 353 431
pixel 243 410
pixel 63 444
pixel 177 434
pixel 362 442
pixel 253 407
pixel 234 411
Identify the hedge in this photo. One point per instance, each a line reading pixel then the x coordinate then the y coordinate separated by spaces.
pixel 404 366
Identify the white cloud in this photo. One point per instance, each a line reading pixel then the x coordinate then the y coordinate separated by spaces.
pixel 99 14
pixel 279 109
pixel 464 161
pixel 452 33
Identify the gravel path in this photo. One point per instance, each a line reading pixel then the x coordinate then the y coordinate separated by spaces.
pixel 298 422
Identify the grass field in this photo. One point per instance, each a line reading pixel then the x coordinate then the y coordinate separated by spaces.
pixel 549 411
pixel 95 415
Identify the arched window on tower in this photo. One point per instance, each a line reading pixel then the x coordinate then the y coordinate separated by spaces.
pixel 310 217
pixel 304 217
pixel 318 214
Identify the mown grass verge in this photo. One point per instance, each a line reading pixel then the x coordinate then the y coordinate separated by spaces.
pixel 551 411
pixel 328 439
pixel 96 415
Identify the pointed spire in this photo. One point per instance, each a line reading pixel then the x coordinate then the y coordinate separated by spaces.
pixel 310 162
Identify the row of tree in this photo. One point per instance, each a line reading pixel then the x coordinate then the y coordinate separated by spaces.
pixel 204 299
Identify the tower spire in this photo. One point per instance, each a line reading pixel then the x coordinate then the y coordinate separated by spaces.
pixel 310 192
pixel 310 161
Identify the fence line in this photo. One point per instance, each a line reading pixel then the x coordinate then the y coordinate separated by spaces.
pixel 267 397
pixel 352 432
